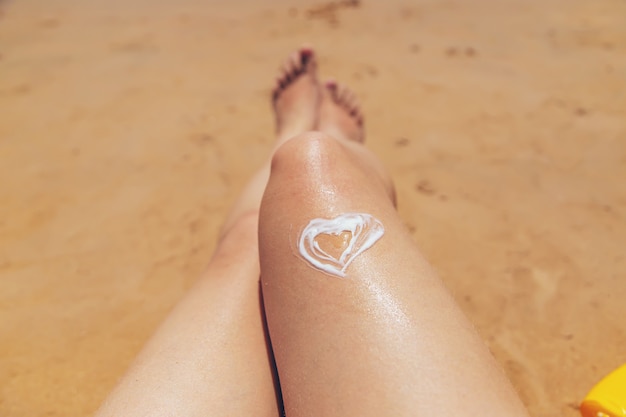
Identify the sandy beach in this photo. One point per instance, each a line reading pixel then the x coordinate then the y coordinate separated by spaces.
pixel 127 128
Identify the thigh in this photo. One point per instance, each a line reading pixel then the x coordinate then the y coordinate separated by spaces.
pixel 210 356
pixel 386 338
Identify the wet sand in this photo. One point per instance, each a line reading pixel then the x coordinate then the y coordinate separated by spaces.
pixel 127 128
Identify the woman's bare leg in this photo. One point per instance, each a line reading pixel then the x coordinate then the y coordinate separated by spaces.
pixel 387 339
pixel 295 99
pixel 210 356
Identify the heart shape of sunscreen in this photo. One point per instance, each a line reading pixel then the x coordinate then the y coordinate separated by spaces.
pixel 362 231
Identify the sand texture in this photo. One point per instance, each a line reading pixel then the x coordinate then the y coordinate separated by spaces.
pixel 127 128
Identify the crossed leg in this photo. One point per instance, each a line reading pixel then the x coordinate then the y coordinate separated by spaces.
pixel 387 339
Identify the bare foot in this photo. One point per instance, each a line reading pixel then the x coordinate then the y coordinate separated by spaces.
pixel 296 95
pixel 339 113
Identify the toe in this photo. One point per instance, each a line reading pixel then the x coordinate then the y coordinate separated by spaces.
pixel 350 100
pixel 343 95
pixel 294 64
pixel 332 88
pixel 278 85
pixel 308 61
pixel 284 79
pixel 306 55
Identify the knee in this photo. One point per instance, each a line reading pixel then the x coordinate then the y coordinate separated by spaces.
pixel 242 228
pixel 314 168
pixel 306 154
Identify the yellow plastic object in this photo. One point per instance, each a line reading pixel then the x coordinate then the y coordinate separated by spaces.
pixel 608 397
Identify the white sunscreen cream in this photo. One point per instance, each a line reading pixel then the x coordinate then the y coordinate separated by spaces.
pixel 359 231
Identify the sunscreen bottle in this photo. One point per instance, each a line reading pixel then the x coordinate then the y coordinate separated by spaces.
pixel 608 397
